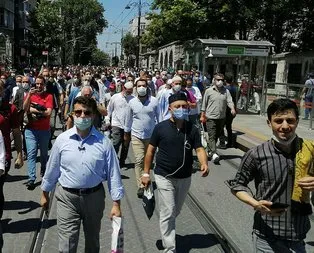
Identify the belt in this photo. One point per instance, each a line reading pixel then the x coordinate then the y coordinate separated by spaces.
pixel 83 191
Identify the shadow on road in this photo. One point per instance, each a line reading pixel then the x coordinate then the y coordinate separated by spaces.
pixel 194 241
pixel 15 178
pixel 23 226
pixel 230 157
pixel 17 205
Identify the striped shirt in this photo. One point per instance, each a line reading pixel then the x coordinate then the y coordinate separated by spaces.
pixel 273 173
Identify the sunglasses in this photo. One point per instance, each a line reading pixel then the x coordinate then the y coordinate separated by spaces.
pixel 78 113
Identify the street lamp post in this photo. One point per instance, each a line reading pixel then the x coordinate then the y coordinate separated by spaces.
pixel 139 5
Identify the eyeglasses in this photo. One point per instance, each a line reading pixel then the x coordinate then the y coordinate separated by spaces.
pixel 78 113
pixel 39 83
pixel 24 82
pixel 220 79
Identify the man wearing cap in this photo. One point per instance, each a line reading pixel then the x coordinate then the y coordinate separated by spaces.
pixel 163 105
pixel 141 118
pixel 117 110
pixel 175 139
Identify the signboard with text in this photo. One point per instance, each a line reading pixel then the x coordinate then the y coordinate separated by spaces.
pixel 238 50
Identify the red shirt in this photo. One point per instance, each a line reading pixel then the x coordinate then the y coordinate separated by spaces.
pixel 8 120
pixel 46 100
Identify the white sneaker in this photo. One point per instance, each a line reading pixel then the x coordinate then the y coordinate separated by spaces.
pixel 215 158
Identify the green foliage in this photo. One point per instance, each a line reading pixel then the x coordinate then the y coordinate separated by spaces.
pixel 129 44
pixel 115 61
pixel 99 58
pixel 278 21
pixel 68 24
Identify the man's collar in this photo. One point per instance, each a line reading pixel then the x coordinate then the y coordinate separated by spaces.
pixel 93 131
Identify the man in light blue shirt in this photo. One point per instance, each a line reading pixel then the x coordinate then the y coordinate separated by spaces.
pixel 141 119
pixel 81 159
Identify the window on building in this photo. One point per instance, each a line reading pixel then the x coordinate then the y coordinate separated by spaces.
pixel 271 72
pixel 2 17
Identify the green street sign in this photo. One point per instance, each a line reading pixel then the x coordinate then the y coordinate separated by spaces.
pixel 236 50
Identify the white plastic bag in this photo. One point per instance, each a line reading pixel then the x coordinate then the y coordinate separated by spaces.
pixel 117 236
pixel 203 137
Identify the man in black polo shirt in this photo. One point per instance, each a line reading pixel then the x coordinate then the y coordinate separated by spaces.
pixel 175 139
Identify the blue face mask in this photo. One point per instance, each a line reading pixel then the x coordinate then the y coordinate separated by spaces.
pixel 181 113
pixel 82 123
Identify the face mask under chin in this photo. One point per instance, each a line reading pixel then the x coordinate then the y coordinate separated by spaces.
pixel 284 142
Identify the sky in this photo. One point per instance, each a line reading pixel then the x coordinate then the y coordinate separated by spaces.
pixel 118 18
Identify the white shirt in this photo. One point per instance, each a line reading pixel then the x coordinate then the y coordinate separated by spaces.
pixel 198 95
pixel 142 117
pixel 117 109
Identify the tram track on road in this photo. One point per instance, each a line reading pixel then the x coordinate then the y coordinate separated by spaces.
pixel 210 225
pixel 39 234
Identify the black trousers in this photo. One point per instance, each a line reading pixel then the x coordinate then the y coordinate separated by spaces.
pixel 2 180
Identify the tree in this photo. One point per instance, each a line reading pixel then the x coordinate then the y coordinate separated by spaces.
pixel 129 44
pixel 100 58
pixel 115 61
pixel 45 20
pixel 68 24
pixel 281 22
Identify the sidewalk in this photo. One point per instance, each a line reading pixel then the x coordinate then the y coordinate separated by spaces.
pixel 252 130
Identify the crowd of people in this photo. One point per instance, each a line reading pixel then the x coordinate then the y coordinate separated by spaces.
pixel 105 110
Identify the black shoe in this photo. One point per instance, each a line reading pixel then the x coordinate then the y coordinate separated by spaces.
pixel 222 146
pixel 159 245
pixel 140 193
pixel 305 118
pixel 30 185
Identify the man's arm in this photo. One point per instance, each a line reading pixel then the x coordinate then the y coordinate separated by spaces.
pixel 147 164
pixel 230 102
pixel 17 136
pixel 202 157
pixel 114 181
pixel 52 174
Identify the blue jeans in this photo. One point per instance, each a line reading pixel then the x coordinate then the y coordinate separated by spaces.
pixel 307 111
pixel 36 139
pixel 263 245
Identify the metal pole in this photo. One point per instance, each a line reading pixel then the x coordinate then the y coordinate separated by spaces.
pixel 48 59
pixel 138 33
pixel 264 89
pixel 311 114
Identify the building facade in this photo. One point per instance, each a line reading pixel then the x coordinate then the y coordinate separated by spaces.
pixel 7 12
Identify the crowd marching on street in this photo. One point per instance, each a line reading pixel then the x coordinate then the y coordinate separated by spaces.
pixel 161 115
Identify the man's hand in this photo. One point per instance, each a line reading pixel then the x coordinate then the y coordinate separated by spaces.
pixel 203 119
pixel 44 201
pixel 127 138
pixel 233 112
pixel 19 162
pixel 33 90
pixel 115 211
pixel 264 207
pixel 306 183
pixel 204 170
pixel 145 181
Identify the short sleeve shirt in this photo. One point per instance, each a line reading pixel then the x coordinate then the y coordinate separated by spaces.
pixel 174 156
pixel 45 100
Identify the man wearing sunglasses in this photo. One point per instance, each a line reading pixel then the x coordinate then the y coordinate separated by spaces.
pixel 80 160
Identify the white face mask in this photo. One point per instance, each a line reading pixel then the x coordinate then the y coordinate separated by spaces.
pixel 141 91
pixel 219 83
pixel 176 87
pixel 285 143
pixel 18 84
